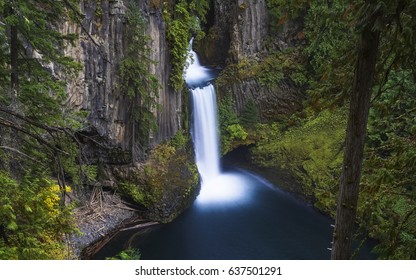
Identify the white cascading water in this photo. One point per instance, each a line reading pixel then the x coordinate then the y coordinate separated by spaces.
pixel 215 186
pixel 204 132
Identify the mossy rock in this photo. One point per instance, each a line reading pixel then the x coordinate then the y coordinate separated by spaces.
pixel 165 185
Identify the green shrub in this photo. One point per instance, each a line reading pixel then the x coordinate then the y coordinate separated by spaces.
pixel 32 219
pixel 129 254
pixel 313 151
pixel 165 185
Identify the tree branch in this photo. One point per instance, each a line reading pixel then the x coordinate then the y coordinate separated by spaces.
pixel 405 113
pixel 42 141
pixel 18 152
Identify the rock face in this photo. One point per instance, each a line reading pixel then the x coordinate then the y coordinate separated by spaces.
pixel 101 47
pixel 109 140
pixel 240 32
pixel 169 116
pixel 249 29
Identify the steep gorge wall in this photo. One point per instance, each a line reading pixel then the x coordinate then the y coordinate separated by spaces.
pixel 160 179
pixel 96 89
pixel 240 32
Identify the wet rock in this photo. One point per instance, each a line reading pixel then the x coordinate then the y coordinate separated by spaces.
pixel 241 32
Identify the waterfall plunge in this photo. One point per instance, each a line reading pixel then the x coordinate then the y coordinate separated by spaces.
pixel 204 132
pixel 216 186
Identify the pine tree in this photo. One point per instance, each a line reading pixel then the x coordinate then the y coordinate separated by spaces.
pixel 378 19
pixel 355 138
pixel 35 137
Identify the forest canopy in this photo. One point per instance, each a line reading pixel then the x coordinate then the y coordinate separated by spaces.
pixel 386 208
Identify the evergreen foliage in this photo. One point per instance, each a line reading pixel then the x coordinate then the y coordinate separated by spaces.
pixel 386 208
pixel 183 20
pixel 137 82
pixel 387 199
pixel 250 115
pixel 37 141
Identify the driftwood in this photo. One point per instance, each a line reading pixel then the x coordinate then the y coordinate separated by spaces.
pixel 140 226
pixel 138 223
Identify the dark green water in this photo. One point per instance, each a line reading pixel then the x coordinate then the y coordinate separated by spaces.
pixel 254 220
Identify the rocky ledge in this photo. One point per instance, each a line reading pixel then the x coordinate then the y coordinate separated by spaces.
pixel 102 215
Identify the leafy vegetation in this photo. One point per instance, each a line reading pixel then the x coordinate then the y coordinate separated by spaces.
pixel 137 82
pixel 33 220
pixel 311 146
pixel 183 19
pixel 129 254
pixel 166 181
pixel 233 134
pixel 312 150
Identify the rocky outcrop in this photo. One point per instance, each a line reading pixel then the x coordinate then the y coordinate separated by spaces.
pixel 241 32
pixel 109 139
pixel 165 185
pixel 95 90
pixel 169 116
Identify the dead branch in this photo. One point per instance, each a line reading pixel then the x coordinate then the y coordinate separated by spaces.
pixel 140 226
pixel 19 152
pixel 42 141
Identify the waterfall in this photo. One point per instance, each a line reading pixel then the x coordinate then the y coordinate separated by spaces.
pixel 216 186
pixel 204 126
pixel 204 132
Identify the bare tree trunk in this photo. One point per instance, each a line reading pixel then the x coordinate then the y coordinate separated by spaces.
pixel 355 139
pixel 8 137
pixel 14 54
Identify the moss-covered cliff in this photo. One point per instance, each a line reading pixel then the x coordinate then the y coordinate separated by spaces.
pixel 253 53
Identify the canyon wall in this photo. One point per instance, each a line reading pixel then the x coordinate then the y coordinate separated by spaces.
pixel 241 32
pixel 96 89
pixel 238 31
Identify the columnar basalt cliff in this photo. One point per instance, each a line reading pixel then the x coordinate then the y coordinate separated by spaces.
pixel 239 34
pixel 96 90
pixel 110 139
